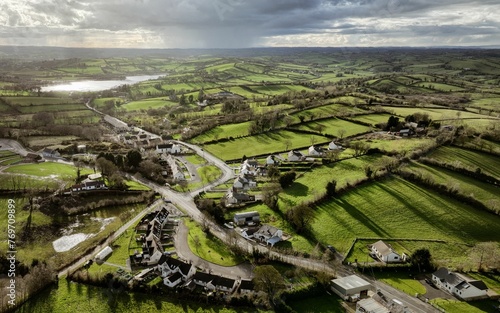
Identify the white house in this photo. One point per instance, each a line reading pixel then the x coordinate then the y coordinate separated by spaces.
pixel 333 146
pixel 271 160
pixel 224 284
pixel 172 148
pixel 177 173
pixel 244 182
pixel 235 197
pixel 269 234
pixel 249 167
pixel 315 151
pixel 169 266
pixel 385 253
pixel 459 285
pixel 295 156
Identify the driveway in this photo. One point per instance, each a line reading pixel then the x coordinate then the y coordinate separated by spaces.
pixel 243 270
pixel 433 292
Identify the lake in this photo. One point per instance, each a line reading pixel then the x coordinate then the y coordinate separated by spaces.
pixel 99 85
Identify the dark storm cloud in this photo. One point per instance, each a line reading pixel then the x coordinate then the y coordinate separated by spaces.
pixel 241 23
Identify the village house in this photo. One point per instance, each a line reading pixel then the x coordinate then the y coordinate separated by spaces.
pixel 269 235
pixel 271 160
pixel 177 173
pixel 406 132
pixel 89 185
pixel 202 279
pixel 235 197
pixel 315 151
pixel 175 271
pixel 244 182
pixel 333 146
pixel 171 148
pixel 50 153
pixel 246 286
pixel 249 167
pixel 246 218
pixel 294 156
pixel 385 253
pixel 459 285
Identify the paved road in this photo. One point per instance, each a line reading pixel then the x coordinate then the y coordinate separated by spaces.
pixel 14 146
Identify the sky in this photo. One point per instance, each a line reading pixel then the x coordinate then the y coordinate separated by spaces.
pixel 249 23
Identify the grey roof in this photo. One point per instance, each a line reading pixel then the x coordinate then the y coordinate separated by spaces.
pixel 175 277
pixel 267 230
pixel 372 306
pixel 204 277
pixel 350 282
pixel 246 214
pixel 246 285
pixel 479 284
pixel 444 275
pixel 223 281
pixel 383 248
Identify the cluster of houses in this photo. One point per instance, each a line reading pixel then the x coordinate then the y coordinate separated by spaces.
pixel 171 168
pixel 153 227
pixel 177 273
pixel 312 151
pixel 138 138
pixel 252 230
pixel 245 181
pixel 355 289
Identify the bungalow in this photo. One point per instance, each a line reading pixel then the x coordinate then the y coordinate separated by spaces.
pixel 224 284
pixel 246 286
pixel 271 160
pixel 244 182
pixel 459 285
pixel 168 148
pixel 246 218
pixel 295 156
pixel 249 167
pixel 235 197
pixel 333 146
pixel 248 233
pixel 203 279
pixel 315 151
pixel 177 173
pixel 406 132
pixel 88 185
pixel 50 153
pixel 385 253
pixel 269 234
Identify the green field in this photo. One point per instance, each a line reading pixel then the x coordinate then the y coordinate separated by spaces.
pixel 401 281
pixel 472 160
pixel 373 119
pixel 267 143
pixel 332 127
pixel 455 306
pixel 395 208
pixel 154 103
pixel 48 169
pixel 436 114
pixel 73 297
pixel 224 131
pixel 400 145
pixel 319 304
pixel 483 192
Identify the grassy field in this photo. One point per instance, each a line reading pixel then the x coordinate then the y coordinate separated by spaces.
pixel 399 145
pixel 48 169
pixel 472 160
pixel 455 306
pixel 267 143
pixel 332 127
pixel 401 281
pixel 224 131
pixel 436 114
pixel 210 248
pixel 395 208
pixel 484 192
pixel 147 104
pixel 73 297
pixel 373 119
pixel 313 182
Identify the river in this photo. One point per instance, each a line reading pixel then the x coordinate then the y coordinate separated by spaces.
pixel 99 85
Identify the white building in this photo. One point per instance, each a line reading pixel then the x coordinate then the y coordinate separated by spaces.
pixel 459 285
pixel 385 253
pixel 333 146
pixel 269 234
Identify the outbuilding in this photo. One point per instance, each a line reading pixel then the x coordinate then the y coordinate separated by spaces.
pixel 351 287
pixel 103 254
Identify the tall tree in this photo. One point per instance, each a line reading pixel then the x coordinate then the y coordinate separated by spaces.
pixel 267 279
pixel 134 158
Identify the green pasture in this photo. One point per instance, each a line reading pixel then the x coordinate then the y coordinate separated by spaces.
pixel 441 86
pixel 210 248
pixel 68 296
pixel 492 103
pixel 48 169
pixel 45 141
pixel 401 281
pixel 373 119
pixel 154 103
pixel 400 145
pixel 278 89
pixel 313 183
pixel 456 306
pixel 395 208
pixel 435 114
pixel 267 143
pixel 325 111
pixel 10 181
pixel 484 192
pixel 223 131
pixel 34 101
pixel 472 160
pixel 133 185
pixel 333 126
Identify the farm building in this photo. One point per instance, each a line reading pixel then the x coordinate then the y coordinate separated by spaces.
pixel 333 146
pixel 103 254
pixel 370 305
pixel 168 148
pixel 50 153
pixel 351 287
pixel 385 253
pixel 246 218
pixel 315 151
pixel 459 285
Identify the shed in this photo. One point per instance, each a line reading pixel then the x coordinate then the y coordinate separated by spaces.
pixel 246 218
pixel 103 254
pixel 351 287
